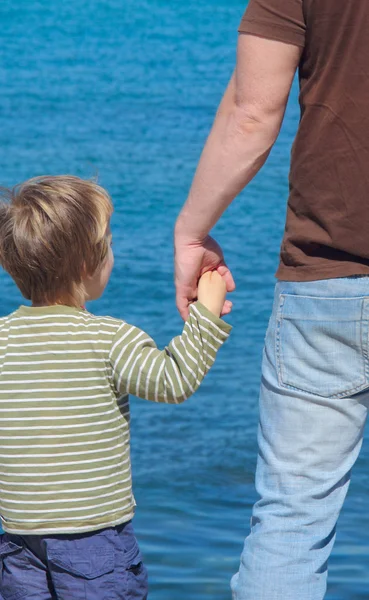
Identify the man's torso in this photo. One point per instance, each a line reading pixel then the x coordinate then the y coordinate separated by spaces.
pixel 328 209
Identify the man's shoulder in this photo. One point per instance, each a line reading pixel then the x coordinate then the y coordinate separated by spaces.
pixel 279 20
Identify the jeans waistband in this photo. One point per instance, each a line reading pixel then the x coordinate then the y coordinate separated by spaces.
pixel 341 287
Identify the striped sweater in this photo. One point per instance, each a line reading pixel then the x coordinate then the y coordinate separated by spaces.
pixel 65 376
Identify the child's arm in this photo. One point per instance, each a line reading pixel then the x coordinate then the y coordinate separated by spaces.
pixel 172 374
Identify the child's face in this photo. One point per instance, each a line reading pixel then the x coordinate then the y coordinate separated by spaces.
pixel 95 284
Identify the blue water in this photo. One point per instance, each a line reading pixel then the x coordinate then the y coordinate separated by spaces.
pixel 126 90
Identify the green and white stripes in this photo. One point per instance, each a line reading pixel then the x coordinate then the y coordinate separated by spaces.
pixel 64 412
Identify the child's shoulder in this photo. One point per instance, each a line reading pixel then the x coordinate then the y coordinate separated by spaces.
pixel 104 320
pixel 119 328
pixel 61 316
pixel 4 320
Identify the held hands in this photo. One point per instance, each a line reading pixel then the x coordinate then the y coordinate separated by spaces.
pixel 211 292
pixel 193 259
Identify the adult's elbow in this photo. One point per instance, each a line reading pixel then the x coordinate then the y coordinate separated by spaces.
pixel 256 123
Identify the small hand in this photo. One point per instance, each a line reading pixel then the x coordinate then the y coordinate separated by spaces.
pixel 211 292
pixel 191 261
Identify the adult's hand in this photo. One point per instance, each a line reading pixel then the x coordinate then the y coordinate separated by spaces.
pixel 193 259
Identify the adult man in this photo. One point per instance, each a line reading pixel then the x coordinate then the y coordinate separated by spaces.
pixel 314 391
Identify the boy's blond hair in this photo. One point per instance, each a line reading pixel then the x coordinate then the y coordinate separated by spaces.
pixel 53 233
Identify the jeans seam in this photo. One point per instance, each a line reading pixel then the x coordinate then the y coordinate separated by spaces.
pixel 278 339
pixel 364 340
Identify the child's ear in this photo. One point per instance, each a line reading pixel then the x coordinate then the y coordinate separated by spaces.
pixel 88 276
pixel 85 273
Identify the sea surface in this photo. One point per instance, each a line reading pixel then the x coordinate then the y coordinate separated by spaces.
pixel 126 90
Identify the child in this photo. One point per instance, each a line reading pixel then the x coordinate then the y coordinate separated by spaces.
pixel 66 498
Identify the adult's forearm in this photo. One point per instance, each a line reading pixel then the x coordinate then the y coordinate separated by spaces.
pixel 236 149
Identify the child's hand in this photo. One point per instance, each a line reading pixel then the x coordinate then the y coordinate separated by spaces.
pixel 212 291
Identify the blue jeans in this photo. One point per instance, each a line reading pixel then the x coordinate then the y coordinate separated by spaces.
pixel 101 565
pixel 313 407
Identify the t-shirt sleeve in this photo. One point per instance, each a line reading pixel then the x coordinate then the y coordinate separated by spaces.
pixel 280 20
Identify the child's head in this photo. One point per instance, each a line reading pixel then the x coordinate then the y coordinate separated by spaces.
pixel 55 239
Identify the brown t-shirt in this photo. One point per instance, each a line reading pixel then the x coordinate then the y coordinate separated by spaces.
pixel 327 228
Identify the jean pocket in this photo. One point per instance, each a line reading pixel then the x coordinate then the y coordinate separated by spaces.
pixel 10 588
pixel 137 580
pixel 321 344
pixel 81 570
pixel 135 563
pixel 8 547
pixel 136 573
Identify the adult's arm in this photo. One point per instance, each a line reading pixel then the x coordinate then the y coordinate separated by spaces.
pixel 245 128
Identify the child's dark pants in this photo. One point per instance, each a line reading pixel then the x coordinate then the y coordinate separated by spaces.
pixel 99 565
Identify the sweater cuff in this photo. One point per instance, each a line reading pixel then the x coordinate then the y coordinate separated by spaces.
pixel 213 322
